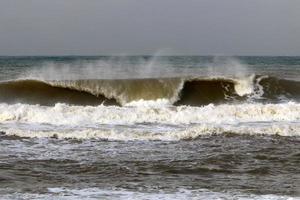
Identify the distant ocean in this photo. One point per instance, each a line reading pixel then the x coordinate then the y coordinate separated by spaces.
pixel 150 127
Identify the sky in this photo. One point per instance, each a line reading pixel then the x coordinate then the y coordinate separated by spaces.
pixel 146 27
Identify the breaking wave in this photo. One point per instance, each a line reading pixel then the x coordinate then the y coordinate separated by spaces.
pixel 176 91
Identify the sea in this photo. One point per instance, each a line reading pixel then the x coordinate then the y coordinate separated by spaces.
pixel 150 127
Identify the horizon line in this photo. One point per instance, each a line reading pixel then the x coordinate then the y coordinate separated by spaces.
pixel 146 55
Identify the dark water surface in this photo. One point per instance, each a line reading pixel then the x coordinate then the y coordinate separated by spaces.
pixel 247 164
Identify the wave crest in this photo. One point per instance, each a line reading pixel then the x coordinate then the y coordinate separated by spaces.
pixel 177 91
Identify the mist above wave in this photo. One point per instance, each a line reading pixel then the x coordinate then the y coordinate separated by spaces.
pixel 135 67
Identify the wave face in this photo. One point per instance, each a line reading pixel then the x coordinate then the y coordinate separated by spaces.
pixel 39 92
pixel 176 91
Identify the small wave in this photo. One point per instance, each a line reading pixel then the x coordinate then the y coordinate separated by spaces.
pixel 177 91
pixel 174 135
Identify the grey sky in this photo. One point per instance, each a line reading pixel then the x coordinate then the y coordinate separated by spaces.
pixel 103 27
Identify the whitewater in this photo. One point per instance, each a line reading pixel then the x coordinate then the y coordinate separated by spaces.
pixel 188 122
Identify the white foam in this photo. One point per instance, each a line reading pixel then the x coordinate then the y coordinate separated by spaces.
pixel 112 194
pixel 180 194
pixel 149 103
pixel 81 122
pixel 62 114
pixel 244 86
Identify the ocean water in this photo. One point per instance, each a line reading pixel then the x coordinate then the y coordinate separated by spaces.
pixel 149 127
